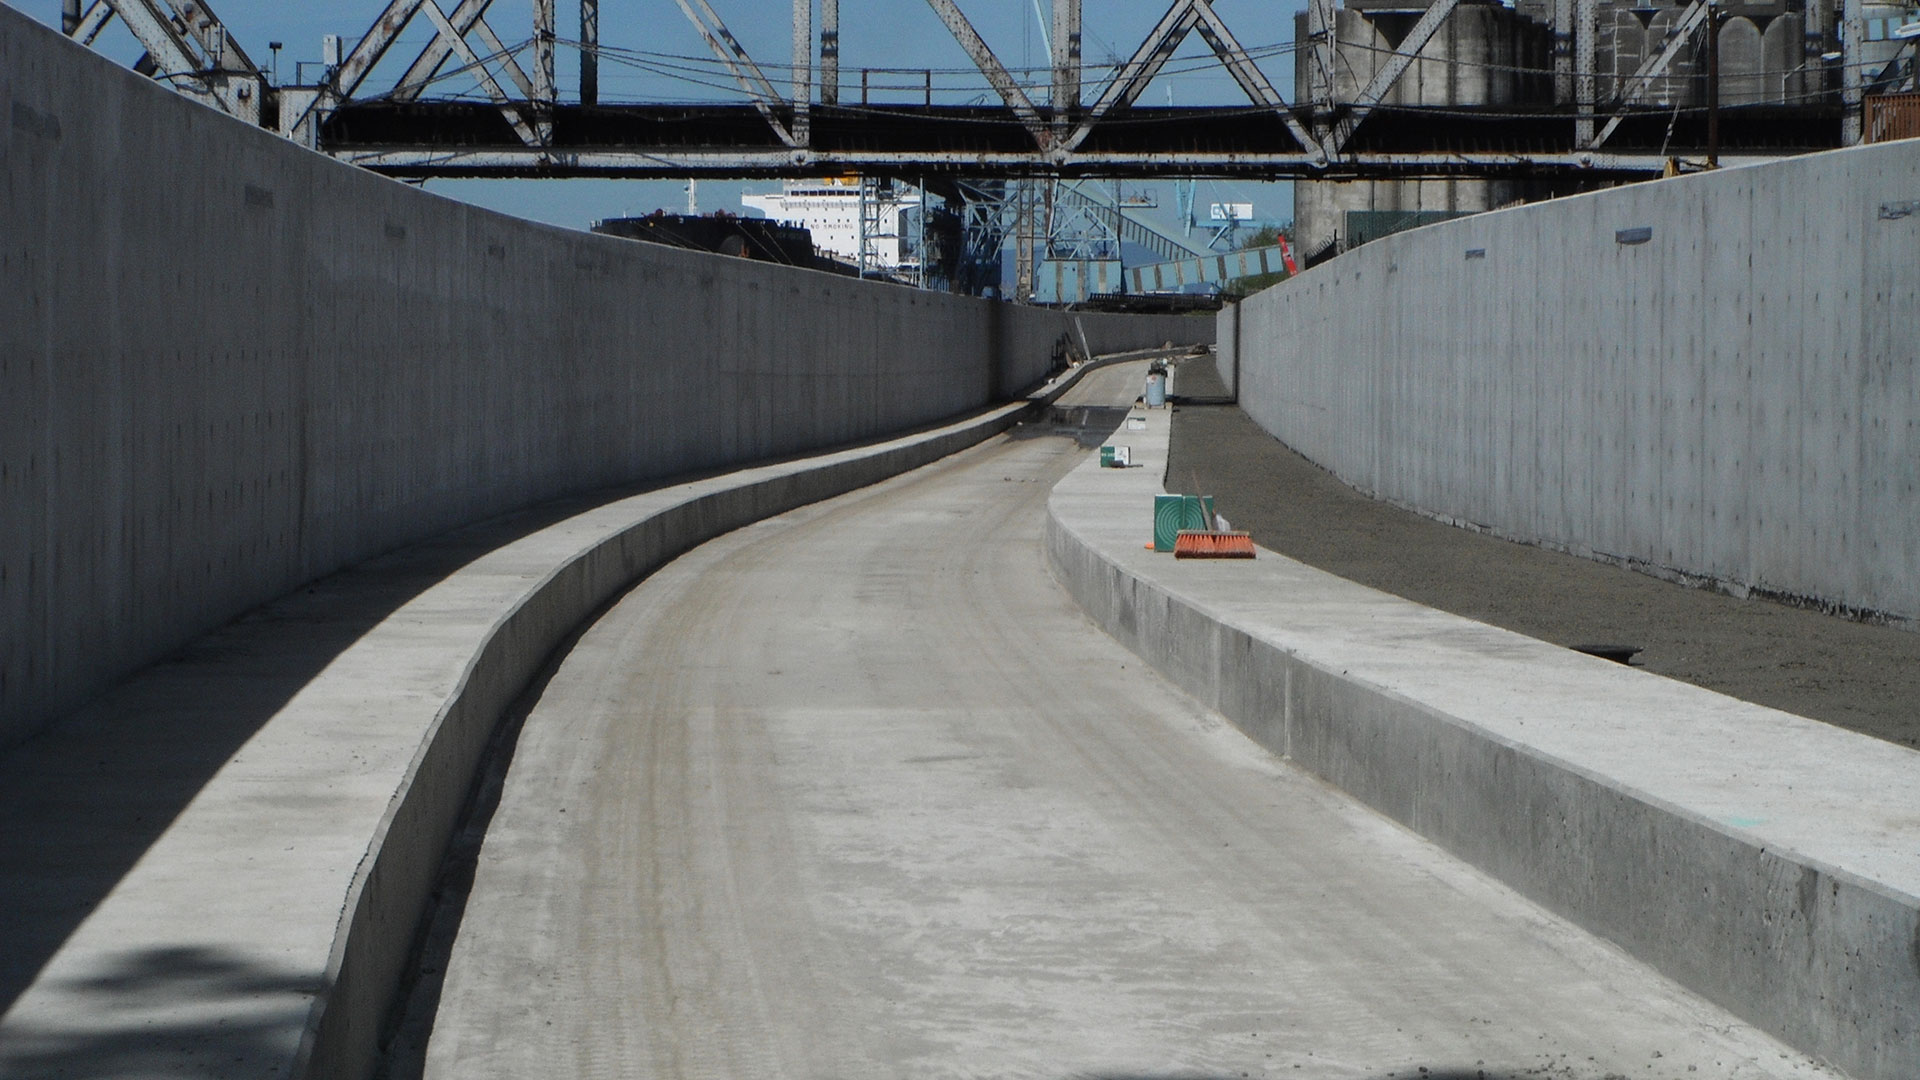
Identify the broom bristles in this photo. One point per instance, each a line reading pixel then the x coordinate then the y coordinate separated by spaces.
pixel 1204 544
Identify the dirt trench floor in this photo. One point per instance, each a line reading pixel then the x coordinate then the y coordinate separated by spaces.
pixel 1865 678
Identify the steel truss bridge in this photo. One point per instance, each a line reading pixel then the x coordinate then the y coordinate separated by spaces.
pixel 801 125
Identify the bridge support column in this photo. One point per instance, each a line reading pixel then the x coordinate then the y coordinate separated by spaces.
pixel 829 52
pixel 1066 63
pixel 543 54
pixel 802 72
pixel 1853 31
pixel 1586 23
pixel 589 52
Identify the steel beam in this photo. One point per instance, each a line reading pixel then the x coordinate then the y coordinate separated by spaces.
pixel 1691 20
pixel 829 52
pixel 1253 82
pixel 589 52
pixel 153 27
pixel 221 51
pixel 1321 21
pixel 1562 51
pixel 189 47
pixel 1066 62
pixel 89 25
pixel 482 75
pixel 1586 27
pixel 423 69
pixel 614 162
pixel 1131 80
pixel 542 93
pixel 990 66
pixel 468 18
pixel 745 71
pixel 1390 72
pixel 373 45
pixel 498 51
pixel 802 71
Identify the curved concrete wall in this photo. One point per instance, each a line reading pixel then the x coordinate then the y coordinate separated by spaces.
pixel 230 366
pixel 1733 399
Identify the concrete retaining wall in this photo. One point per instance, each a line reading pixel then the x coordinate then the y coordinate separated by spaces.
pixel 230 366
pixel 1733 400
pixel 1762 860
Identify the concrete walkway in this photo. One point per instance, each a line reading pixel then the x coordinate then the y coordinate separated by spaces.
pixel 859 791
pixel 1766 860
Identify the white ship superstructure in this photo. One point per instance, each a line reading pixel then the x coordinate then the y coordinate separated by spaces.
pixel 832 209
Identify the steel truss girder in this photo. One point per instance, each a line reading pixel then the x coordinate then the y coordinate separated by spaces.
pixel 1131 80
pixel 1066 61
pixel 773 163
pixel 153 27
pixel 529 134
pixel 1181 19
pixel 747 73
pixel 1655 66
pixel 589 52
pixel 1253 82
pixel 98 14
pixel 1586 25
pixel 421 72
pixel 1390 73
pixel 829 52
pixel 1131 229
pixel 468 18
pixel 802 71
pixel 449 39
pixel 996 73
pixel 1321 21
pixel 189 45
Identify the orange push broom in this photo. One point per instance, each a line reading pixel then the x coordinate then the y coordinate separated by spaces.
pixel 1207 544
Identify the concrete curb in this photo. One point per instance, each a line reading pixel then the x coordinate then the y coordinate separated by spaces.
pixel 627 540
pixel 262 927
pixel 1769 863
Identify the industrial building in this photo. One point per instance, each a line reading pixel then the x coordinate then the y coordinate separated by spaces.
pixel 1777 58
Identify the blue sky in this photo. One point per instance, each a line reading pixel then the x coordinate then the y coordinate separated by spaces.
pixel 874 33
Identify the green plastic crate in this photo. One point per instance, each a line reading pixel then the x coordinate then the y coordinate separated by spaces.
pixel 1171 513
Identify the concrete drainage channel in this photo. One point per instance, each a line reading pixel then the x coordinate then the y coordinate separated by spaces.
pixel 1762 860
pixel 393 891
pixel 373 759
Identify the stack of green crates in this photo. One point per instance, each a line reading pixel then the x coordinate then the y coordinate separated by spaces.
pixel 1171 513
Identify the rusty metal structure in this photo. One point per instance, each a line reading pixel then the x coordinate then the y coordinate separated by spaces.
pixel 796 124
